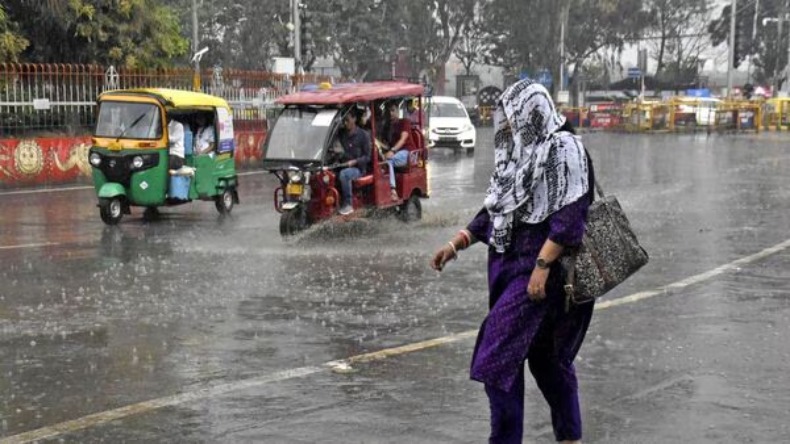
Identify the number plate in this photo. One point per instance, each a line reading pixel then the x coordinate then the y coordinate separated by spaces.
pixel 294 189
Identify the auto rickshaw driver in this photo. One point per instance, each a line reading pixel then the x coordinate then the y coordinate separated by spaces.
pixel 356 145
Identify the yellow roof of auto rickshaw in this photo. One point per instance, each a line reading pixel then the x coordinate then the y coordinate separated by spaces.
pixel 174 98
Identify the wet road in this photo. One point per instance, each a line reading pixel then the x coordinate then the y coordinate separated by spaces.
pixel 197 329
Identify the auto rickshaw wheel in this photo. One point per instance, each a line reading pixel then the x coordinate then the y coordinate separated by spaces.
pixel 111 210
pixel 411 210
pixel 224 202
pixel 293 221
pixel 151 213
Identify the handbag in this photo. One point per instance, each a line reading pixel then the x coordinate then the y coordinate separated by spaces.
pixel 609 253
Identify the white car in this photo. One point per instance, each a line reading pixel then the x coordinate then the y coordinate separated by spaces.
pixel 450 126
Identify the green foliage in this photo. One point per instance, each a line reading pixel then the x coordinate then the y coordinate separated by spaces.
pixel 525 35
pixel 11 43
pixel 129 33
pixel 767 48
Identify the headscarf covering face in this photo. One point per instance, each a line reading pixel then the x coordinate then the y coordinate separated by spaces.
pixel 538 168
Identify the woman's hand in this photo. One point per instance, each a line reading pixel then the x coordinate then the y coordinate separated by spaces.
pixel 442 256
pixel 536 289
pixel 388 155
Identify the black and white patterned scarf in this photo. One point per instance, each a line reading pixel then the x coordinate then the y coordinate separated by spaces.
pixel 539 169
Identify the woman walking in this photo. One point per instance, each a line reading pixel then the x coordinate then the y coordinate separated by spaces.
pixel 536 207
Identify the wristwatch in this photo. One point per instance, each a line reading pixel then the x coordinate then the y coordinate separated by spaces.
pixel 542 264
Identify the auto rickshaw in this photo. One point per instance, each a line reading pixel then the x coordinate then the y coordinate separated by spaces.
pixel 130 152
pixel 299 152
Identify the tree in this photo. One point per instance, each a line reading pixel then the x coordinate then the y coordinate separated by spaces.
pixel 433 30
pixel 768 49
pixel 11 42
pixel 473 45
pixel 591 26
pixel 130 33
pixel 678 27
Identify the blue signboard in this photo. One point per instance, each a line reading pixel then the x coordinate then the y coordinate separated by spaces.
pixel 702 92
pixel 544 78
pixel 634 73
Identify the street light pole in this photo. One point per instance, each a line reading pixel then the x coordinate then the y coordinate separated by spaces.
pixel 196 77
pixel 297 36
pixel 731 66
pixel 786 16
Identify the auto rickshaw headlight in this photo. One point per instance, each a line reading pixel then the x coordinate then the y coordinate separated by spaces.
pixel 295 176
pixel 137 162
pixel 95 159
pixel 326 179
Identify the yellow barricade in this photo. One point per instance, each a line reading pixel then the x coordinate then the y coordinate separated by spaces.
pixel 776 114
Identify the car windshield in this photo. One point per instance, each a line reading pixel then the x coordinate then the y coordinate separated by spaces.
pixel 129 120
pixel 300 134
pixel 447 110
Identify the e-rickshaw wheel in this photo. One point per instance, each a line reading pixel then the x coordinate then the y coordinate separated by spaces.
pixel 293 221
pixel 411 210
pixel 224 202
pixel 111 210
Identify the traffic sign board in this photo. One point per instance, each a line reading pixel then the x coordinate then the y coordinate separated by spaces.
pixel 634 73
pixel 544 78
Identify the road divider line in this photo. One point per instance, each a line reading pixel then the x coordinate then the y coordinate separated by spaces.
pixel 343 365
pixel 19 247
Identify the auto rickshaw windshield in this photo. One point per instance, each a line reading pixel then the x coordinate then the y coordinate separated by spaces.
pixel 129 120
pixel 300 134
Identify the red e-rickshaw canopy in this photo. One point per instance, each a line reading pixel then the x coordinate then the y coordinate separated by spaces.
pixel 353 93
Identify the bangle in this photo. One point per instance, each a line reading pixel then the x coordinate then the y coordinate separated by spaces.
pixel 467 238
pixel 455 250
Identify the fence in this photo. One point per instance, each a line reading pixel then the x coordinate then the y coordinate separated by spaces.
pixel 47 113
pixel 60 98
pixel 680 114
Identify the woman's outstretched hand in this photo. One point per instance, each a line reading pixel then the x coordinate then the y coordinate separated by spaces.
pixel 442 256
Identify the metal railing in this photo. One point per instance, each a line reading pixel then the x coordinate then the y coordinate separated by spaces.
pixel 39 99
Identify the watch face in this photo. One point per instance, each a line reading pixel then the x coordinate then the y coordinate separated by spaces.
pixel 541 263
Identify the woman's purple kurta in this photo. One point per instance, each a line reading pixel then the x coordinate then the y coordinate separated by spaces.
pixel 513 320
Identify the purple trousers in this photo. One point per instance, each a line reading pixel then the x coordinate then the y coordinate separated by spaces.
pixel 550 360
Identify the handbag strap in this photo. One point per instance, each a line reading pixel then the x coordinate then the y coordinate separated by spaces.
pixel 596 188
pixel 570 270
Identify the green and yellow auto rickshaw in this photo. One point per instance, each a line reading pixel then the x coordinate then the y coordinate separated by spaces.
pixel 133 151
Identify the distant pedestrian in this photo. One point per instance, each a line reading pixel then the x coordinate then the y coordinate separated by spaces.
pixel 536 206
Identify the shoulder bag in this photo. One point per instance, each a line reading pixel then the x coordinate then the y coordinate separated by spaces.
pixel 609 253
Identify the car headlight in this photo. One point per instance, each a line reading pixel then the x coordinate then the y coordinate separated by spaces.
pixel 295 176
pixel 137 162
pixel 467 127
pixel 95 159
pixel 433 130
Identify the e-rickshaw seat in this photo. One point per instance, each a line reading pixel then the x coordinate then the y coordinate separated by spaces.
pixel 363 181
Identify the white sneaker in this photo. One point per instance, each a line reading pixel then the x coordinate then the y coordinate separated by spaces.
pixel 346 210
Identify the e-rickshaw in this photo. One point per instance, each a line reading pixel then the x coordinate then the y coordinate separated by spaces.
pixel 131 158
pixel 299 152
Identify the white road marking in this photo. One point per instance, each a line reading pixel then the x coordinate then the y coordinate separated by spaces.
pixel 19 247
pixel 46 190
pixel 87 187
pixel 221 389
